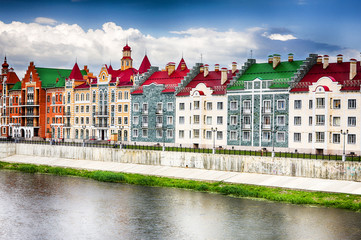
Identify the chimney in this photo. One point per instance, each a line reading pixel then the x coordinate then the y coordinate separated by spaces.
pixel 170 68
pixel 290 57
pixel 276 60
pixel 325 61
pixel 86 68
pixel 270 59
pixel 234 67
pixel 353 71
pixel 201 69
pixel 216 67
pixel 223 75
pixel 206 67
pixel 319 60
pixel 339 58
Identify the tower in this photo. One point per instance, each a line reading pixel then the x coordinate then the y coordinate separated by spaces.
pixel 127 61
pixel 5 68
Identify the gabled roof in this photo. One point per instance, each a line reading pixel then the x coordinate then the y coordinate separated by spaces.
pixel 124 76
pixel 49 76
pixel 12 78
pixel 283 73
pixel 75 73
pixel 339 72
pixel 144 66
pixel 162 77
pixel 179 68
pixel 212 80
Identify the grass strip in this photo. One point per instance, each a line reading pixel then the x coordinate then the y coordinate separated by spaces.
pixel 335 200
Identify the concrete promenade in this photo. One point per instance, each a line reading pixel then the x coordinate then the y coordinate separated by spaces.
pixel 311 184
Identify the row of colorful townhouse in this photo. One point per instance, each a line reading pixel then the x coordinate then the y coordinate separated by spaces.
pixel 306 105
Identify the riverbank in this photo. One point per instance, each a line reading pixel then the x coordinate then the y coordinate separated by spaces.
pixel 335 200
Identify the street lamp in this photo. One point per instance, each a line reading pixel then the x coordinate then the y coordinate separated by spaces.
pixel 214 130
pixel 163 148
pixel 273 142
pixel 344 144
pixel 121 133
pixel 83 128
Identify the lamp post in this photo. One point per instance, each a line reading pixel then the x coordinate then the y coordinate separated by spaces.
pixel 83 128
pixel 214 130
pixel 163 148
pixel 121 133
pixel 273 142
pixel 344 144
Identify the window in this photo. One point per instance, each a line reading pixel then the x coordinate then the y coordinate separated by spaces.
pixel 159 108
pixel 351 138
pixel 310 137
pixel 310 121
pixel 82 97
pixel 247 120
pixel 219 120
pixel 320 137
pixel 87 109
pixel 87 120
pixel 281 136
pixel 233 120
pixel 119 120
pixel 233 135
pixel 247 105
pixel 145 121
pixel 336 138
pixel 126 95
pixel 81 120
pixel 219 135
pixel 320 102
pixel 196 119
pixel 145 133
pixel 169 133
pixel 297 137
pixel 48 98
pixel 181 106
pixel 209 120
pixel 126 120
pixel 297 121
pixel 112 96
pixel 169 120
pixel 219 105
pixel 281 120
pixel 310 104
pixel 209 106
pixel 336 103
pixel 267 106
pixel 209 134
pixel 196 105
pixel 266 136
pixel 281 105
pixel 87 97
pixel 336 121
pixel 94 96
pixel 77 109
pixel 195 133
pixel 298 104
pixel 82 109
pixel 246 136
pixel 181 119
pixel 48 120
pixel 181 133
pixel 351 121
pixel 126 108
pixel 159 133
pixel 351 103
pixel 135 120
pixel 234 105
pixel 135 133
pixel 170 106
pixel 76 120
pixel 320 120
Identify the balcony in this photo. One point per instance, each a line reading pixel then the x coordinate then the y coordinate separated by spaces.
pixel 102 113
pixel 144 111
pixel 159 111
pixel 267 110
pixel 67 125
pixel 67 113
pixel 159 125
pixel 29 103
pixel 101 125
pixel 31 114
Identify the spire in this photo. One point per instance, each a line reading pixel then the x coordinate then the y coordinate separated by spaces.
pixel 75 73
pixel 145 65
pixel 182 65
pixel 5 64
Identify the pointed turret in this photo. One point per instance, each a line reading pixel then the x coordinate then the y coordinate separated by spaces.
pixel 5 66
pixel 182 65
pixel 126 61
pixel 145 65
pixel 75 73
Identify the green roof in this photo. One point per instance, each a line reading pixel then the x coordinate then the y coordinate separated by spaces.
pixel 48 76
pixel 17 86
pixel 264 71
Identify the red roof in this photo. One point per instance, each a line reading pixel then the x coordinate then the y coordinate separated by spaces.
pixel 212 80
pixel 126 48
pixel 339 72
pixel 144 66
pixel 161 77
pixel 179 68
pixel 75 73
pixel 83 86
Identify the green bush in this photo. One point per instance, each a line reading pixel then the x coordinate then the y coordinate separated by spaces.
pixel 107 176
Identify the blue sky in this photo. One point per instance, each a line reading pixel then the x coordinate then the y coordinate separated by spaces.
pixel 199 27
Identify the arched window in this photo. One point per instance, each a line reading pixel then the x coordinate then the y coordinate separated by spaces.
pixel 86 134
pixel 87 96
pixel 105 96
pixel 77 97
pixel 56 97
pixel 59 132
pixel 48 98
pixel 76 133
pixel 82 97
pixel 94 96
pixel 60 97
pixel 113 96
pixel 126 95
pixel 101 96
pixel 120 95
pixel 68 97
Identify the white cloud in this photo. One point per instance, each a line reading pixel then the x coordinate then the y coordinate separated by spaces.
pixel 46 21
pixel 281 37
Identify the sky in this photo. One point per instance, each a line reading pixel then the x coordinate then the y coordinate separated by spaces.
pixel 59 33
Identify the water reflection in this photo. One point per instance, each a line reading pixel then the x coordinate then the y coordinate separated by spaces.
pixel 34 206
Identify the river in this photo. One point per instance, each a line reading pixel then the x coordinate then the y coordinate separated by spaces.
pixel 35 206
